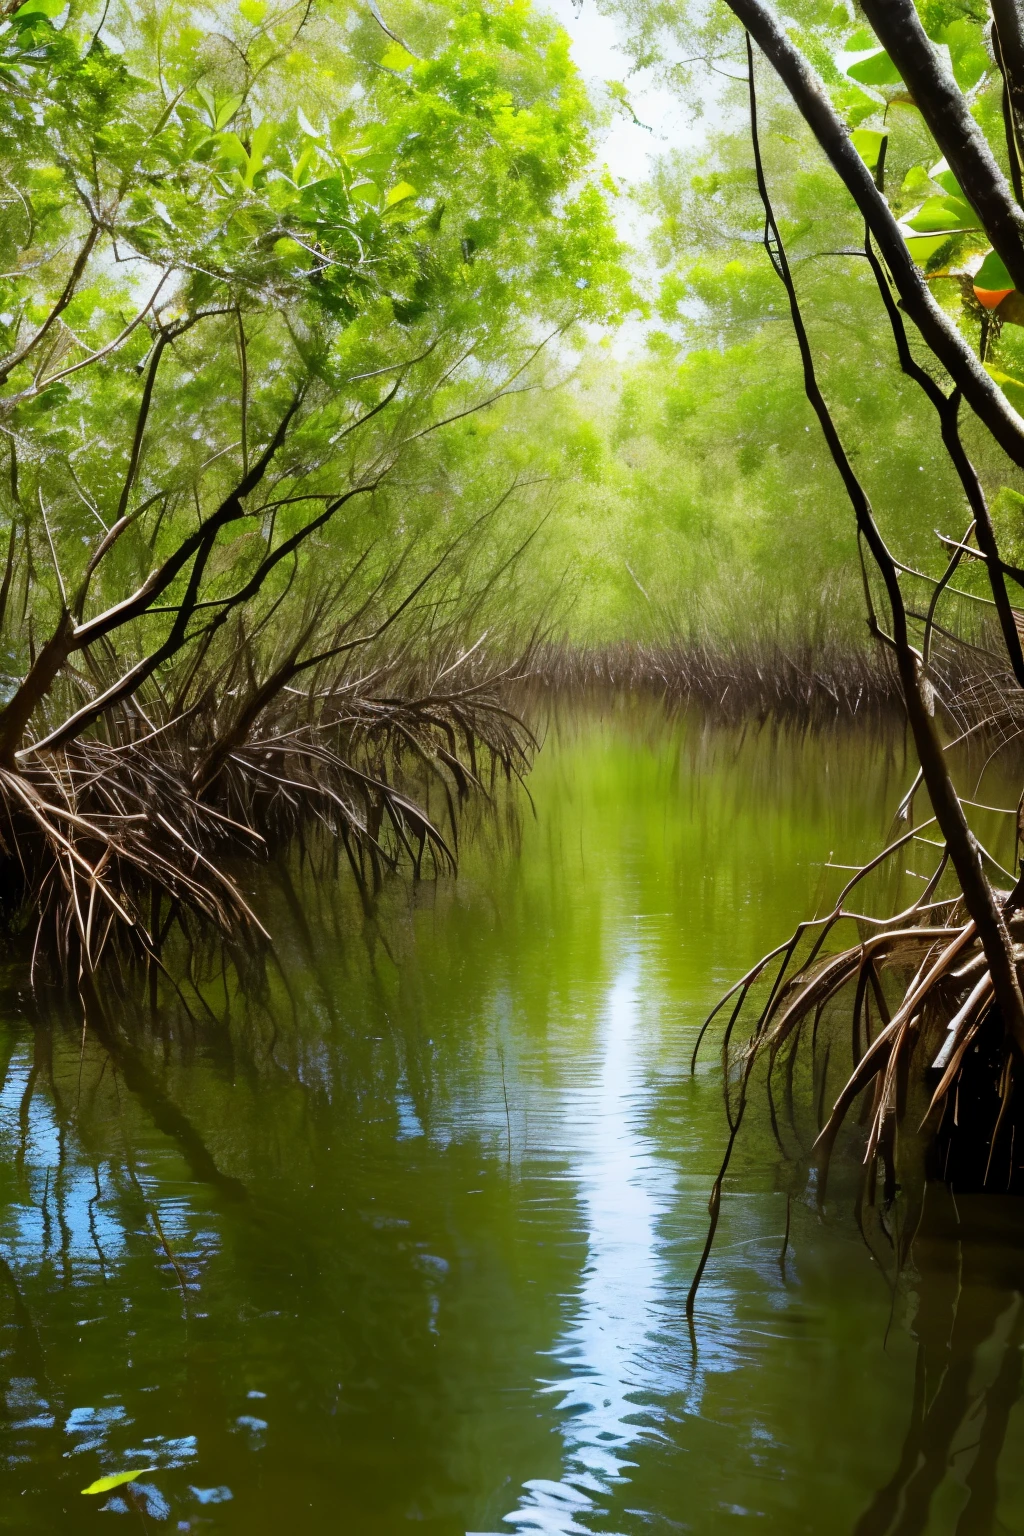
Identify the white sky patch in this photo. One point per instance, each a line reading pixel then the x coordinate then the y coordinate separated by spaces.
pixel 603 1356
pixel 626 148
pixel 629 149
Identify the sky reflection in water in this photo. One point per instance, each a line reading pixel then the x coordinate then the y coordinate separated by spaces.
pixel 622 1192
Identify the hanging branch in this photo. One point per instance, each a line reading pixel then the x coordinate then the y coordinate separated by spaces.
pixel 1006 36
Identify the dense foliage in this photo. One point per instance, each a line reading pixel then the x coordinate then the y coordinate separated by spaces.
pixel 891 158
pixel 245 238
pixel 273 280
pixel 720 486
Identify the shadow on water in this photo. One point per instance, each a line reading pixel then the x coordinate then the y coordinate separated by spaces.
pixel 397 1231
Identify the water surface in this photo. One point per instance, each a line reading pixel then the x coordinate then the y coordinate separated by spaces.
pixel 403 1242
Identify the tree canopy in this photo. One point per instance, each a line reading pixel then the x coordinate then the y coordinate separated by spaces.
pixel 262 271
pixel 227 246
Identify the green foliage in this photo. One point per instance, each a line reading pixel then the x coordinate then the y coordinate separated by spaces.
pixel 992 275
pixel 876 69
pixel 285 215
pixel 722 511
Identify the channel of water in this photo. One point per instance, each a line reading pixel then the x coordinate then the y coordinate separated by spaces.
pixel 404 1241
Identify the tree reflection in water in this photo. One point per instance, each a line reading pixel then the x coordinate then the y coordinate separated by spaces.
pixel 970 1331
pixel 316 1240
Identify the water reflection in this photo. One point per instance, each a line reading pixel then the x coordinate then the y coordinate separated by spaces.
pixel 404 1238
pixel 604 1354
pixel 967 1380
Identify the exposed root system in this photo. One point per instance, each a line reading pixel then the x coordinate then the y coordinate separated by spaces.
pixel 117 839
pixel 933 1068
pixel 813 682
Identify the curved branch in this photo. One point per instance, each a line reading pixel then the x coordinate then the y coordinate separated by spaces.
pixel 9 364
pixel 961 842
pixel 808 91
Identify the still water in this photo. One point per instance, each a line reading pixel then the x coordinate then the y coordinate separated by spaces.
pixel 403 1242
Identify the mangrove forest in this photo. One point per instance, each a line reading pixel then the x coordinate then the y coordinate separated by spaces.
pixel 512 767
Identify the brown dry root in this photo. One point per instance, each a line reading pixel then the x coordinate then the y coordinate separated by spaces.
pixel 933 1069
pixel 819 682
pixel 112 842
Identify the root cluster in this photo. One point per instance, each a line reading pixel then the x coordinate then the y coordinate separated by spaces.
pixel 933 1069
pixel 119 836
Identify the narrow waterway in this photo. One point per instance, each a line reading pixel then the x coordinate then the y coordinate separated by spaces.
pixel 398 1236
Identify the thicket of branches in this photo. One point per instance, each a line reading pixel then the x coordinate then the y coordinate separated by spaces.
pixel 257 277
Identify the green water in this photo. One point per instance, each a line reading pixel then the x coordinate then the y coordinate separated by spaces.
pixel 403 1244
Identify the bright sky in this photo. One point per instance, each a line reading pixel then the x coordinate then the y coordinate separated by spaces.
pixel 626 148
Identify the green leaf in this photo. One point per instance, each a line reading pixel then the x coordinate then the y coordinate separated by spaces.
pixel 372 164
pixel 116 1480
pixel 302 164
pixel 48 8
pixel 923 248
pixel 947 214
pixel 943 176
pixel 232 148
pixel 878 69
pixel 916 182
pixel 209 101
pixel 397 58
pixel 226 111
pixel 260 142
pixel 289 250
pixel 992 275
pixel 868 144
pixel 363 192
pixel 968 54
pixel 399 194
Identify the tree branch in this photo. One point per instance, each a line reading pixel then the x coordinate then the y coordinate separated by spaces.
pixel 938 330
pixel 1008 25
pixel 67 638
pixel 960 840
pixel 8 366
pixel 941 102
pixel 1011 114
